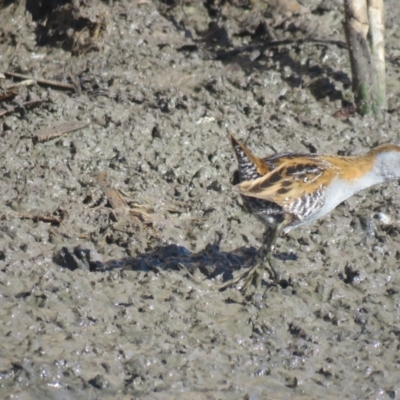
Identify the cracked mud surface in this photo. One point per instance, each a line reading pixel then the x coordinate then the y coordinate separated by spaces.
pixel 103 303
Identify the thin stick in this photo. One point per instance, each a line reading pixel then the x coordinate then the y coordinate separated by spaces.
pixel 119 205
pixel 28 104
pixel 34 217
pixel 113 197
pixel 40 81
pixel 8 94
pixel 276 43
pixel 43 218
pixel 67 127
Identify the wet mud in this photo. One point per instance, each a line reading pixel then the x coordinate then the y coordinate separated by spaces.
pixel 123 302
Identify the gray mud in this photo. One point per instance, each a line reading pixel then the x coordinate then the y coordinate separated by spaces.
pixel 98 303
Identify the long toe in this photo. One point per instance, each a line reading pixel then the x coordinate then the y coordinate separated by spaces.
pixel 273 270
pixel 253 279
pixel 234 281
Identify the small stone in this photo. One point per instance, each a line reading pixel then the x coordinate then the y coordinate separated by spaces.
pixel 383 218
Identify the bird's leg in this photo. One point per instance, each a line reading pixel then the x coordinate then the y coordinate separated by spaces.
pixel 253 275
pixel 264 259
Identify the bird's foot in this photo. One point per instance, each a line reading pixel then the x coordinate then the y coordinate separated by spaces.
pixel 274 271
pixel 234 281
pixel 252 277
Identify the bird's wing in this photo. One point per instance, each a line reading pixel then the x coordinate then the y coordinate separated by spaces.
pixel 290 181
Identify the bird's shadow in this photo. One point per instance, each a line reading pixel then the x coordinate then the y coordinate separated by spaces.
pixel 211 261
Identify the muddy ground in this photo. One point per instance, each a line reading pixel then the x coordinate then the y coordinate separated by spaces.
pixel 104 303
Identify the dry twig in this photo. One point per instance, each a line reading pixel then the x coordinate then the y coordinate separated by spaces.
pixel 35 217
pixel 114 198
pixel 44 82
pixel 143 212
pixel 8 94
pixel 66 127
pixel 28 104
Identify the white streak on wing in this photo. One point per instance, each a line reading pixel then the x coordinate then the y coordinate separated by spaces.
pixel 338 191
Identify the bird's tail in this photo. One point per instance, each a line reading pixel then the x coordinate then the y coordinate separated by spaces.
pixel 250 166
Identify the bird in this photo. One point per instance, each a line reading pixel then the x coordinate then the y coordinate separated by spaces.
pixel 290 190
